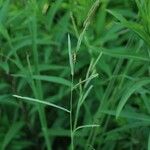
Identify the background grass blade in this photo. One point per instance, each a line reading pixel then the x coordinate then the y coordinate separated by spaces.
pixel 53 79
pixel 12 133
pixel 129 92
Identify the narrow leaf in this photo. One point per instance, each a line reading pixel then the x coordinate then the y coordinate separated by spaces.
pixel 86 126
pixel 129 92
pixel 53 79
pixel 86 94
pixel 42 102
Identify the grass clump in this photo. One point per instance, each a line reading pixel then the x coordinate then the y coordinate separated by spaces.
pixel 74 74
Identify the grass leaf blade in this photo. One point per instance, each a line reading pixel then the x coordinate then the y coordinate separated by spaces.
pixel 129 92
pixel 42 102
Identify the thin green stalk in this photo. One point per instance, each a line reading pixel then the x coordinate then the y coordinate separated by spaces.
pixel 71 114
pixel 72 64
pixel 71 94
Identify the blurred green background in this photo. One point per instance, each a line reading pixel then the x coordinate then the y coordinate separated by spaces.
pixel 34 63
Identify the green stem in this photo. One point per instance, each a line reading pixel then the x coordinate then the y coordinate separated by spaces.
pixel 71 113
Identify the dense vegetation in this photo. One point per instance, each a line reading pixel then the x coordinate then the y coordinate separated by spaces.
pixel 74 74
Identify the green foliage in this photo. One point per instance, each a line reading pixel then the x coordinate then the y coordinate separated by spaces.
pixel 74 74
